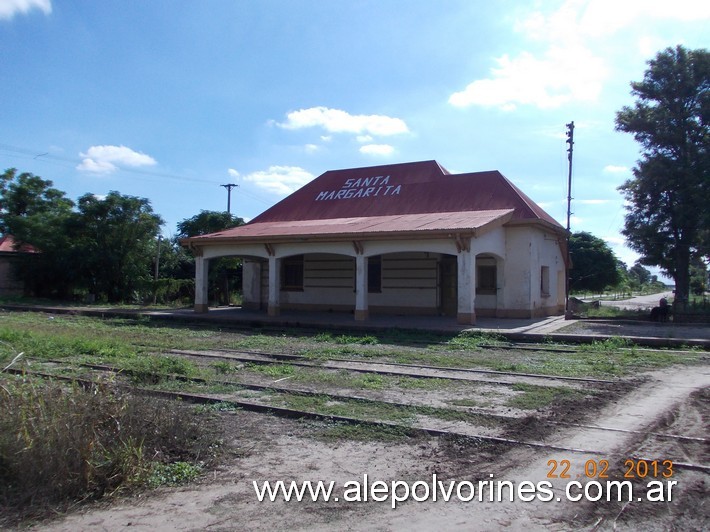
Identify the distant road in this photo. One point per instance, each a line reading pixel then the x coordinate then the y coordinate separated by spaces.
pixel 639 302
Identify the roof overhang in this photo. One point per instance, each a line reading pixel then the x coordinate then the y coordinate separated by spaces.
pixel 391 227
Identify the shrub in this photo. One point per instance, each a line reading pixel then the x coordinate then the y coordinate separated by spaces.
pixel 62 443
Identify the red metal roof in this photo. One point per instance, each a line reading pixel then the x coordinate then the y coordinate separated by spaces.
pixel 8 245
pixel 448 221
pixel 414 196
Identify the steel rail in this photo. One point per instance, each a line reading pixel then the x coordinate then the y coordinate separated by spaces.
pixel 299 360
pixel 367 400
pixel 303 414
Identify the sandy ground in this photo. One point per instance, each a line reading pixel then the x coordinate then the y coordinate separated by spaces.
pixel 674 400
pixel 641 329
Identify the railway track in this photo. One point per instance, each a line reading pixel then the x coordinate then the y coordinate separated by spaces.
pixel 505 378
pixel 261 407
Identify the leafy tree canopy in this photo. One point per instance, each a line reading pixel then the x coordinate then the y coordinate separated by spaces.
pixel 36 213
pixel 207 222
pixel 640 274
pixel 594 265
pixel 101 245
pixel 668 220
pixel 28 202
pixel 116 236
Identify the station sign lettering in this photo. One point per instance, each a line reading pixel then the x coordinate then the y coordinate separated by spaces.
pixel 364 187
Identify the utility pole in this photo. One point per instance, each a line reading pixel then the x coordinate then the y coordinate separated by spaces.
pixel 229 188
pixel 570 141
pixel 157 269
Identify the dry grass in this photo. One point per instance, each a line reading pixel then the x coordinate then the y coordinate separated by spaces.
pixel 62 443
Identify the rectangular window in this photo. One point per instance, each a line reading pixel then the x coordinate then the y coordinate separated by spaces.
pixel 486 280
pixel 292 273
pixel 545 281
pixel 374 274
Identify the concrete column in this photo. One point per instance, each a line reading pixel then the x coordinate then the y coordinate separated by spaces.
pixel 201 271
pixel 361 309
pixel 466 313
pixel 251 284
pixel 500 288
pixel 274 286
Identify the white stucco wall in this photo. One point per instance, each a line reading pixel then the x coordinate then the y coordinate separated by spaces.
pixel 410 272
pixel 528 250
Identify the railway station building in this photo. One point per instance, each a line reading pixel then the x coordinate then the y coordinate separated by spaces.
pixel 407 238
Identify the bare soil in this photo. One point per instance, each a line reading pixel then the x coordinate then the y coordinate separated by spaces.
pixel 640 329
pixel 672 401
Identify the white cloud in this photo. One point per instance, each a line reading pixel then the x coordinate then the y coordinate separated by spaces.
pixel 613 169
pixel 563 75
pixel 281 180
pixel 364 138
pixel 311 148
pixel 377 149
pixel 232 172
pixel 10 8
pixel 107 159
pixel 566 69
pixel 96 167
pixel 338 121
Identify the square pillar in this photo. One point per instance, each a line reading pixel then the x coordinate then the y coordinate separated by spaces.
pixel 251 284
pixel 274 286
pixel 361 308
pixel 466 312
pixel 201 277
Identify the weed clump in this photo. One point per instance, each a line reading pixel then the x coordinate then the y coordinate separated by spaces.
pixel 61 443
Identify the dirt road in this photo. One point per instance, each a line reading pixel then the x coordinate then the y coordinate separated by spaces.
pixel 639 302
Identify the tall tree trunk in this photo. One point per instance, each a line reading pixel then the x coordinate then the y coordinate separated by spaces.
pixel 682 279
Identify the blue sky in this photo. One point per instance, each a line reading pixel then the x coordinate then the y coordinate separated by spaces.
pixel 170 99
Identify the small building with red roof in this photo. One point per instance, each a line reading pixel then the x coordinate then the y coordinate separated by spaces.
pixel 402 238
pixel 10 255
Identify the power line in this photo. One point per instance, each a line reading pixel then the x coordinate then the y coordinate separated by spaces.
pixel 68 162
pixel 38 155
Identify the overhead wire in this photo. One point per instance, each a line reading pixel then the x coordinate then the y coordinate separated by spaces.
pixel 68 162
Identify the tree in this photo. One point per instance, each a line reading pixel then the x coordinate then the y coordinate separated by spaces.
pixel 594 265
pixel 207 222
pixel 668 219
pixel 698 277
pixel 115 238
pixel 36 213
pixel 221 270
pixel 640 274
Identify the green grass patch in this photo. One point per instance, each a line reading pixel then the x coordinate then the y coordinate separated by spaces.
pixel 118 340
pixel 378 411
pixel 473 340
pixel 412 383
pixel 275 371
pixel 146 369
pixel 363 432
pixel 222 367
pixel 172 474
pixel 346 339
pixel 534 397
pixel 366 410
